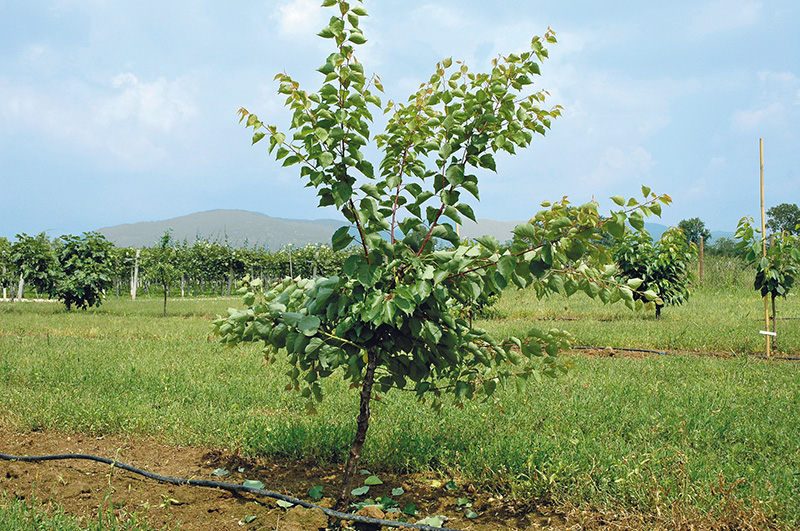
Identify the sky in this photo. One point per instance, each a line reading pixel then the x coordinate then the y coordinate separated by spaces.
pixel 124 111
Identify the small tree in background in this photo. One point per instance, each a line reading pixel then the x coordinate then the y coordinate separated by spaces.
pixel 35 261
pixel 777 271
pixel 394 316
pixel 784 218
pixel 663 266
pixel 86 269
pixel 162 264
pixel 694 229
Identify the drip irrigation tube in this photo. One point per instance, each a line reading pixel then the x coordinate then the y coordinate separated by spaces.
pixel 646 351
pixel 661 352
pixel 231 487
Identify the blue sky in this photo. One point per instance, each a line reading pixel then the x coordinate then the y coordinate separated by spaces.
pixel 119 111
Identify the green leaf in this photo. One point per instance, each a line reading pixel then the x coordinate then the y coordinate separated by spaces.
pixel 308 325
pixel 250 519
pixel 466 210
pixel 315 493
pixel 506 265
pixel 525 230
pixel 469 513
pixel 455 174
pixel 487 161
pixel 489 242
pixel 398 491
pixel 341 238
pixel 357 38
pixel 253 484
pixel 618 199
pixel 342 192
pixel 220 472
pixel 285 504
pixel 372 481
pixel 636 220
pixel 360 491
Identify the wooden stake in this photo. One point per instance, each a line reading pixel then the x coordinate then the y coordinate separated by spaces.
pixel 764 240
pixel 702 250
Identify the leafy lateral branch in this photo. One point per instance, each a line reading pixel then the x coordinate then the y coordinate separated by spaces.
pixel 396 316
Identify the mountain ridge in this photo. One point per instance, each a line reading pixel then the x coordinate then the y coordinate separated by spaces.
pixel 255 229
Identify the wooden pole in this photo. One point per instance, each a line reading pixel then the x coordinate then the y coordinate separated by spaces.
pixel 135 278
pixel 702 268
pixel 764 240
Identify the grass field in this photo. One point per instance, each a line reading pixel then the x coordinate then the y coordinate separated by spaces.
pixel 688 433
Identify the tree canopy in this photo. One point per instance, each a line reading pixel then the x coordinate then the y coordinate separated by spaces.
pixel 694 229
pixel 784 218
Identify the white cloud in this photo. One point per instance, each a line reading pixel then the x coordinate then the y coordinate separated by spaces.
pixel 618 166
pixel 755 119
pixel 157 105
pixel 128 121
pixel 724 15
pixel 776 107
pixel 300 18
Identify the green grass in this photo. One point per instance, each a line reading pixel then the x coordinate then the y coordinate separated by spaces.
pixel 22 515
pixel 647 434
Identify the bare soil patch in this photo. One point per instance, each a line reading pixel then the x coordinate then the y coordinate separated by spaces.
pixel 84 488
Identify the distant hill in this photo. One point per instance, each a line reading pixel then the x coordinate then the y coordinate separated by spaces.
pixel 237 227
pixel 256 229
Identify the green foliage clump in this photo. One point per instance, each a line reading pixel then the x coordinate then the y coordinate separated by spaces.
pixel 74 269
pixel 694 229
pixel 784 218
pixel 662 266
pixel 35 261
pixel 85 270
pixel 777 265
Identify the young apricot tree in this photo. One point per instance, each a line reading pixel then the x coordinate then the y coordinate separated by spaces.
pixel 662 266
pixel 163 265
pixel 777 268
pixel 393 317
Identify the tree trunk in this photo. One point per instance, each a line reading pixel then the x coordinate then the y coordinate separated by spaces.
pixel 21 287
pixel 362 424
pixel 658 311
pixel 774 323
pixel 166 291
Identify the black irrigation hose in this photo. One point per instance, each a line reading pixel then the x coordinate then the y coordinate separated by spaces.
pixel 646 351
pixel 231 487
pixel 661 352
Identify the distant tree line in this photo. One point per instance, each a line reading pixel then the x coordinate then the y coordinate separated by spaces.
pixel 80 270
